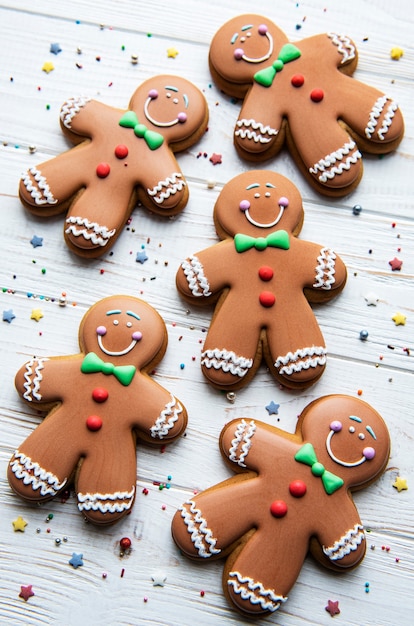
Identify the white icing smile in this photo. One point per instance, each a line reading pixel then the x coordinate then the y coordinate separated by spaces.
pixel 246 33
pixel 368 453
pixel 136 335
pixel 245 206
pixel 269 224
pixel 117 353
pixel 181 117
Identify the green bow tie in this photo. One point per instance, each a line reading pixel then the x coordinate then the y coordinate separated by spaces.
pixel 129 120
pixel 288 53
pixel 306 454
pixel 277 239
pixel 92 363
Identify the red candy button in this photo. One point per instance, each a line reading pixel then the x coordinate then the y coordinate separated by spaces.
pixel 267 299
pixel 103 170
pixel 94 423
pixel 278 508
pixel 316 95
pixel 297 80
pixel 265 272
pixel 297 488
pixel 121 151
pixel 100 394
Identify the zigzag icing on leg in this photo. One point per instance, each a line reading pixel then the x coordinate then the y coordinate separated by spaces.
pixel 325 270
pixel 32 474
pixel 71 108
pixel 33 369
pixel 106 502
pixel 255 592
pixel 344 45
pixel 201 535
pixel 166 420
pixel 172 184
pixel 374 115
pixel 302 359
pixel 346 544
pixel 324 165
pixel 244 433
pixel 226 360
pixel 40 192
pixel 100 235
pixel 197 280
pixel 248 128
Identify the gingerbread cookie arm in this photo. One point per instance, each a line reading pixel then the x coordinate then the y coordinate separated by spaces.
pixel 324 272
pixel 36 380
pixel 198 279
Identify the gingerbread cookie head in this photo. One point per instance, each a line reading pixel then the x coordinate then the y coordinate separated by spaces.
pixel 303 95
pixel 98 402
pixel 121 157
pixel 292 494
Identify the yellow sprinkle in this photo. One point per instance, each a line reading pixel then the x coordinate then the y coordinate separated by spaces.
pixel 396 53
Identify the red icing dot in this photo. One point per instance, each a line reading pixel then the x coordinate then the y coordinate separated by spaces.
pixel 102 170
pixel 297 488
pixel 121 151
pixel 267 299
pixel 100 394
pixel 94 423
pixel 125 543
pixel 297 80
pixel 265 272
pixel 278 508
pixel 316 95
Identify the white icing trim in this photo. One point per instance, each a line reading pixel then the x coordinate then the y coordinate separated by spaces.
pixel 325 270
pixel 40 193
pixel 346 544
pixel 375 113
pixel 331 159
pixel 201 535
pixel 71 108
pixel 172 186
pixel 226 360
pixel 244 433
pixel 105 502
pixel 255 592
pixel 100 235
pixel 345 46
pixel 244 131
pixel 33 368
pixel 295 362
pixel 32 474
pixel 167 419
pixel 197 280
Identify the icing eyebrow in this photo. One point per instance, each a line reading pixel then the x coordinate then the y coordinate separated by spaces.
pixel 114 312
pixel 137 317
pixel 234 38
pixel 247 27
pixel 355 419
pixel 270 185
pixel 172 88
pixel 185 98
pixel 253 186
pixel 371 432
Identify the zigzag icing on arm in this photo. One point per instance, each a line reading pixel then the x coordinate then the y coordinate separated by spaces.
pixel 201 535
pixel 32 474
pixel 255 592
pixel 374 115
pixel 100 235
pixel 344 45
pixel 197 280
pixel 247 128
pixel 302 359
pixel 167 418
pixel 172 184
pixel 346 544
pixel 325 270
pixel 33 376
pixel 40 193
pixel 328 166
pixel 71 108
pixel 243 435
pixel 226 360
pixel 106 502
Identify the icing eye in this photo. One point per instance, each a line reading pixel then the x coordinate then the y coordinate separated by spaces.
pixel 242 39
pixel 137 335
pixel 248 35
pixel 267 194
pixel 129 324
pixel 244 205
pixel 368 453
pixel 257 195
pixel 115 322
pixel 238 53
pixel 153 94
pixel 361 436
pixel 284 202
pixel 175 100
pixel 168 95
pixel 101 330
pixel 336 426
pixel 351 429
pixel 262 29
pixel 182 117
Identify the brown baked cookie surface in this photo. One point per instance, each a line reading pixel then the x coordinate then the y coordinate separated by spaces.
pixel 303 94
pixel 292 494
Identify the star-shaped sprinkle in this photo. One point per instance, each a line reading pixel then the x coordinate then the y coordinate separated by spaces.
pixel 172 53
pixel 273 408
pixel 8 316
pixel 399 319
pixel 158 579
pixel 395 264
pixel 332 607
pixel 215 158
pixel 26 592
pixel 141 257
pixel 19 524
pixel 400 484
pixel 36 241
pixel 36 315
pixel 55 48
pixel 48 67
pixel 76 560
pixel 371 299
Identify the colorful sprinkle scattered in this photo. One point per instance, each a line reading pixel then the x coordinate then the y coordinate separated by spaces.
pixel 400 484
pixel 356 209
pixel 36 241
pixel 395 264
pixel 396 53
pixel 363 335
pixel 48 67
pixel 172 53
pixel 371 299
pixel 26 592
pixel 55 48
pixel 215 158
pixel 141 257
pixel 399 319
pixel 76 560
pixel 36 315
pixel 272 408
pixel 8 316
pixel 158 579
pixel 332 607
pixel 19 524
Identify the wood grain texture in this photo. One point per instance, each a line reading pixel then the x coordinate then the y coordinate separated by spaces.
pixel 382 367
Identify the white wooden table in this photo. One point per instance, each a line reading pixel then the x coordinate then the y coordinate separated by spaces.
pixel 114 590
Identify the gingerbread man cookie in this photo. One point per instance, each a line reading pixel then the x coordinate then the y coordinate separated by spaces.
pixel 264 278
pixel 101 400
pixel 293 494
pixel 303 94
pixel 122 156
